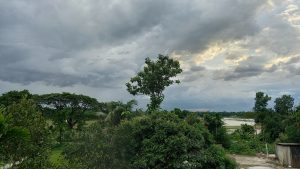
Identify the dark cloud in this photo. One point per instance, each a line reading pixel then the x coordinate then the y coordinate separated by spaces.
pixel 101 44
pixel 196 25
pixel 10 54
pixel 232 57
pixel 26 76
pixel 197 68
pixel 244 71
pixel 294 70
pixel 46 32
pixel 252 66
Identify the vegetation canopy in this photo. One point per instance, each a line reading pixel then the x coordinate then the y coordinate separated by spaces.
pixel 154 78
pixel 71 106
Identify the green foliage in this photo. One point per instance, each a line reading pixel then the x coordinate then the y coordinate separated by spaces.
pixel 245 142
pixel 261 102
pixel 10 136
pixel 213 122
pixel 244 147
pixel 157 140
pixel 282 123
pixel 247 131
pixel 67 111
pixel 57 158
pixel 14 97
pixel 91 149
pixel 154 78
pixel 292 132
pixel 272 127
pixel 215 126
pixel 297 108
pixel 216 158
pixel 284 105
pixel 274 122
pixel 192 118
pixel 73 106
pixel 247 115
pixel 120 111
pixel 162 140
pixel 25 121
pixel 181 113
pixel 260 107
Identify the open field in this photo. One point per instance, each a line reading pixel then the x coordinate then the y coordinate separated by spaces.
pixel 233 124
pixel 238 121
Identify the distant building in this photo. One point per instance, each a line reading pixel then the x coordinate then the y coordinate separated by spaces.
pixel 288 154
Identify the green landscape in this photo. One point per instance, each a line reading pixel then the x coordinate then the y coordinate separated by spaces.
pixel 149 84
pixel 66 130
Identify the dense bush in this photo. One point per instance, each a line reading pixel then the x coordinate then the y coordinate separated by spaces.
pixel 23 119
pixel 292 132
pixel 246 142
pixel 157 140
pixel 216 127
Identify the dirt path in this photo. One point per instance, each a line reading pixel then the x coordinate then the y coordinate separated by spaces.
pixel 253 162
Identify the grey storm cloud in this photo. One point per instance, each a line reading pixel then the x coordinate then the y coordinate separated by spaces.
pixel 194 73
pixel 244 71
pixel 232 57
pixel 100 44
pixel 26 76
pixel 197 68
pixel 247 68
pixel 53 30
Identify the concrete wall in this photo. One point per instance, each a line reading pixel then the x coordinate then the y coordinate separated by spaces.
pixel 283 154
pixel 295 151
pixel 288 154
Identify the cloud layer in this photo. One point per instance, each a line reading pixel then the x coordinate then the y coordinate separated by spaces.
pixel 229 49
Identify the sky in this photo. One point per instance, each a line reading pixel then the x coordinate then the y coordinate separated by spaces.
pixel 228 49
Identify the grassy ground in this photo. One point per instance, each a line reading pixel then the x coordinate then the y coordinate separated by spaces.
pixel 57 157
pixel 90 122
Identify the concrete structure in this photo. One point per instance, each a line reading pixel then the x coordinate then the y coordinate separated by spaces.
pixel 288 154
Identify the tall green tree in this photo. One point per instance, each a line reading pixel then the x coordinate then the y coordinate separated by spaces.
pixel 260 107
pixel 284 104
pixel 67 107
pixel 214 124
pixel 154 78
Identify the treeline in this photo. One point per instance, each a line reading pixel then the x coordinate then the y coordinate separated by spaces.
pixel 240 114
pixel 89 134
pixel 278 124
